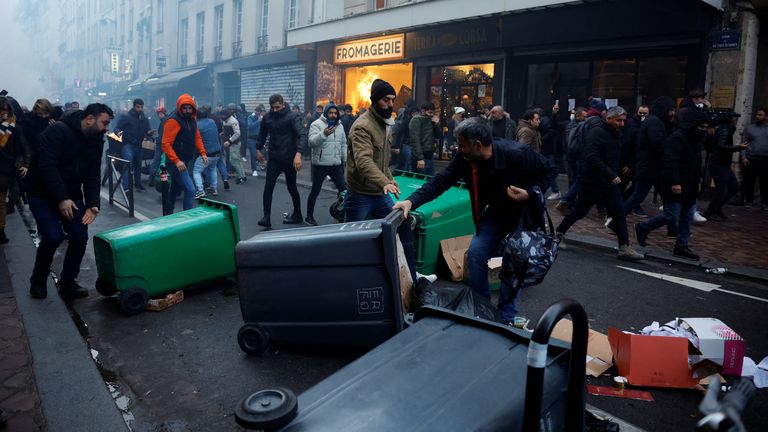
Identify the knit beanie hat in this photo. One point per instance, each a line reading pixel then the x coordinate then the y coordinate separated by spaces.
pixel 381 88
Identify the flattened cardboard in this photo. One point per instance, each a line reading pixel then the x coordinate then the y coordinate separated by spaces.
pixel 165 302
pixel 453 251
pixel 653 361
pixel 599 356
pixel 406 282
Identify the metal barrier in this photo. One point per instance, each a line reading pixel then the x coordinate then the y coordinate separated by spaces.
pixel 117 168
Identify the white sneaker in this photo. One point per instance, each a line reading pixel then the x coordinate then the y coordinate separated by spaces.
pixel 431 278
pixel 328 178
pixel 554 196
pixel 255 173
pixel 608 221
pixel 697 217
pixel 661 208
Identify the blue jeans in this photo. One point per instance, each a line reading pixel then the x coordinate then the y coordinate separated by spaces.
pixel 552 160
pixel 573 189
pixel 639 192
pixel 429 167
pixel 358 207
pixel 180 181
pixel 492 230
pixel 155 164
pixel 675 213
pixel 51 226
pixel 133 154
pixel 209 171
pixel 221 165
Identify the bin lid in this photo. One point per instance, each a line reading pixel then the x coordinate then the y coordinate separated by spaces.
pixel 455 200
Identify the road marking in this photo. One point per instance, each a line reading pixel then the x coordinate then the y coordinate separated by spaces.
pixel 702 286
pixel 137 214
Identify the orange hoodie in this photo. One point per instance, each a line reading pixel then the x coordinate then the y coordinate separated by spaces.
pixel 172 128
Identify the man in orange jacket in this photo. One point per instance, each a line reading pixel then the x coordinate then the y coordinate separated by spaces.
pixel 180 139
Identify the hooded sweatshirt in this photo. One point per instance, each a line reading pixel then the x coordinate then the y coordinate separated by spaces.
pixel 328 150
pixel 180 134
pixel 682 158
pixel 651 139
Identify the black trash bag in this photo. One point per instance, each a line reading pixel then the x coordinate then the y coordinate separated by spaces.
pixel 594 424
pixel 456 298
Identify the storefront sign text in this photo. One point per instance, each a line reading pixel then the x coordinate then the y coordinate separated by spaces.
pixel 365 50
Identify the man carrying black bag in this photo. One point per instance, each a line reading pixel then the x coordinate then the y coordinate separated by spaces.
pixel 501 176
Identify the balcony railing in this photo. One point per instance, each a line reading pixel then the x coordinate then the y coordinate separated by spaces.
pixel 237 49
pixel 218 51
pixel 199 57
pixel 262 44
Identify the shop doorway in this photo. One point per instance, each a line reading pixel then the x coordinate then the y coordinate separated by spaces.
pixel 468 86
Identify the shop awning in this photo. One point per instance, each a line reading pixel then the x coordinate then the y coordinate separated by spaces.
pixel 175 79
pixel 139 82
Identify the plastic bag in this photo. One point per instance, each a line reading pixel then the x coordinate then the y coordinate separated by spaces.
pixel 456 298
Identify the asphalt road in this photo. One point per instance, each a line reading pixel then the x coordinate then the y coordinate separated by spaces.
pixel 181 369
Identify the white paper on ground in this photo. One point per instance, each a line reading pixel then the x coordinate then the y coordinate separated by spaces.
pixel 748 367
pixel 761 374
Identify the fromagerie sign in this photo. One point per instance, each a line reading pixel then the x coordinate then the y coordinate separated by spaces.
pixel 374 49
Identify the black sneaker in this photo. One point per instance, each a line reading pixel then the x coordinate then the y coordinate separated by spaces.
pixel 641 235
pixel 72 290
pixel 226 184
pixel 265 222
pixel 310 221
pixel 242 180
pixel 714 217
pixel 38 288
pixel 293 219
pixel 3 238
pixel 685 252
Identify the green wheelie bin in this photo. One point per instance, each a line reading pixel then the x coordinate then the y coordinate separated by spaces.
pixel 448 216
pixel 163 255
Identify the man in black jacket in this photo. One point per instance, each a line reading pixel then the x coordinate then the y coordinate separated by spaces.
pixel 134 127
pixel 680 181
pixel 287 144
pixel 600 181
pixel 726 185
pixel 629 156
pixel 501 176
pixel 63 189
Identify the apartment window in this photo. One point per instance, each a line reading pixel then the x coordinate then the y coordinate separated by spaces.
pixel 264 18
pixel 293 13
pixel 200 37
pixel 159 15
pixel 238 27
pixel 218 23
pixel 183 35
pixel 130 24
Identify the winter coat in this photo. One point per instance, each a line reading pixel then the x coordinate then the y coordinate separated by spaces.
pixel 602 154
pixel 328 150
pixel 651 139
pixel 14 151
pixel 369 145
pixel 629 142
pixel 67 164
pixel 757 136
pixel 682 159
pixel 134 126
pixel 254 124
pixel 180 135
pixel 422 137
pixel 231 131
pixel 210 135
pixel 512 163
pixel 510 128
pixel 287 135
pixel 527 134
pixel 723 150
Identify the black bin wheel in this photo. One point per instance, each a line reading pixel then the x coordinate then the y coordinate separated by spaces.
pixel 253 339
pixel 134 301
pixel 105 288
pixel 267 409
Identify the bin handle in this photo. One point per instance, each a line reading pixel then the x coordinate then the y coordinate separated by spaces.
pixel 537 357
pixel 389 227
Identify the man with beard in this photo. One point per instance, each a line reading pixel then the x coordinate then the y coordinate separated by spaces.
pixel 287 144
pixel 63 189
pixel 680 181
pixel 754 160
pixel 501 176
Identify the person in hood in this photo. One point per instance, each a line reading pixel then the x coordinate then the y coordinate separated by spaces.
pixel 180 140
pixel 63 188
pixel 680 181
pixel 14 157
pixel 328 142
pixel 134 128
pixel 726 184
pixel 287 144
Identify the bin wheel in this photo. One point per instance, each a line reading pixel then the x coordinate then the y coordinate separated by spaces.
pixel 253 339
pixel 134 301
pixel 267 409
pixel 105 288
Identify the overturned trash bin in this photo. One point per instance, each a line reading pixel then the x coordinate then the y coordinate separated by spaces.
pixel 327 285
pixel 446 372
pixel 167 254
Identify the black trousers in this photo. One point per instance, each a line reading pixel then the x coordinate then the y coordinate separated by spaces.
pixel 726 186
pixel 336 172
pixel 755 169
pixel 589 195
pixel 274 168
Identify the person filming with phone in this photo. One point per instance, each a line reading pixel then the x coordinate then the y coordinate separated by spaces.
pixel 328 142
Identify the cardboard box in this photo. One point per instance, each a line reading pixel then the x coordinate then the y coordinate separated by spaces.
pixel 599 356
pixel 454 251
pixel 655 361
pixel 148 145
pixel 165 302
pixel 718 343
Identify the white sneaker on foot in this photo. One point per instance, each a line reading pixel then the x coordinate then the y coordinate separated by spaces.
pixel 697 217
pixel 554 196
pixel 431 278
pixel 255 173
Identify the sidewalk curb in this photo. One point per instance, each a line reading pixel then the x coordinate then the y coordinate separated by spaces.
pixel 756 274
pixel 72 392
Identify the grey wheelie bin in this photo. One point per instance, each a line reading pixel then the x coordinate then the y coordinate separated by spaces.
pixel 446 372
pixel 327 285
pixel 167 254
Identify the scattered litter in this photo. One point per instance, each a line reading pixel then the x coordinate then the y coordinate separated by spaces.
pixel 620 382
pixel 620 393
pixel 717 270
pixel 672 328
pixel 165 302
pixel 758 373
pixel 599 356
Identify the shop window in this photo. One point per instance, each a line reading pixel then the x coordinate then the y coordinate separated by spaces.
pixel 613 81
pixel 660 76
pixel 358 80
pixel 467 86
pixel 542 80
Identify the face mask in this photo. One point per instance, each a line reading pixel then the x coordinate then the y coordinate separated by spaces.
pixel 573 117
pixel 700 105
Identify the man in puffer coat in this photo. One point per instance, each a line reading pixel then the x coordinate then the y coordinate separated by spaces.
pixel 328 142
